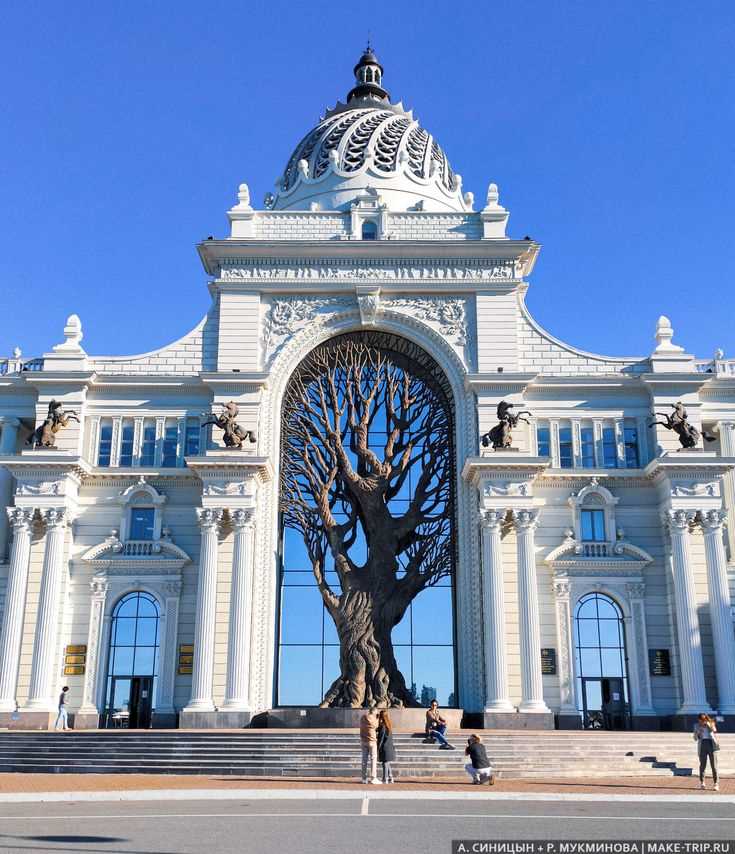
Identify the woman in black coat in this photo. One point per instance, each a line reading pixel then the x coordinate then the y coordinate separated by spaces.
pixel 386 749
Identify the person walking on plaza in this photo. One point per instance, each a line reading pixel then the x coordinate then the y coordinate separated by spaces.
pixel 369 744
pixel 62 718
pixel 386 748
pixel 705 735
pixel 436 727
pixel 478 767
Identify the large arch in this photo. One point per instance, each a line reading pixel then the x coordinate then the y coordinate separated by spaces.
pixel 468 595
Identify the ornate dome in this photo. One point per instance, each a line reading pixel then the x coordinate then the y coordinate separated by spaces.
pixel 369 144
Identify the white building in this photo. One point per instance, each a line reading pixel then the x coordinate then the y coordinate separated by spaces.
pixel 142 562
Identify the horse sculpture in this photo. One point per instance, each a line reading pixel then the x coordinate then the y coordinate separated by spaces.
pixel 44 435
pixel 677 421
pixel 234 435
pixel 500 436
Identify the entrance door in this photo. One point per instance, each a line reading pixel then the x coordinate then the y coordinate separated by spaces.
pixel 601 663
pixel 141 691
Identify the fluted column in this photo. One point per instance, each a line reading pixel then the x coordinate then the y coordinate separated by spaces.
pixel 15 600
pixel 720 609
pixel 564 639
pixel 8 441
pixel 98 588
pixel 493 610
pixel 41 693
pixel 206 613
pixel 529 624
pixel 726 429
pixel 694 697
pixel 238 646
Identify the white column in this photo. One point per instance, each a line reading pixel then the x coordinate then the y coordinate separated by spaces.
pixel 694 699
pixel 493 612
pixel 41 696
pixel 726 429
pixel 15 600
pixel 528 619
pixel 238 645
pixel 8 441
pixel 98 593
pixel 720 609
pixel 206 614
pixel 641 700
pixel 169 655
pixel 567 685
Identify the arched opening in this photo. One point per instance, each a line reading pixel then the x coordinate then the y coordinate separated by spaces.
pixel 132 662
pixel 367 527
pixel 369 231
pixel 601 663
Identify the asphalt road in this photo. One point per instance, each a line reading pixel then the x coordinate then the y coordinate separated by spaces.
pixel 356 826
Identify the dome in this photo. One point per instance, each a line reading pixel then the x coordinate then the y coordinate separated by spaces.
pixel 369 144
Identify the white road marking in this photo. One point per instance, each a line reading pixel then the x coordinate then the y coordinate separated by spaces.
pixel 364 807
pixel 497 817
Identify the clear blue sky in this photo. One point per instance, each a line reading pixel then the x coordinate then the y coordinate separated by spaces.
pixel 126 128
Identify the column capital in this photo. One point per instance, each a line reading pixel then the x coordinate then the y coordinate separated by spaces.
pixel 56 517
pixel 20 518
pixel 525 520
pixel 562 588
pixel 492 519
pixel 209 518
pixel 243 518
pixel 99 587
pixel 712 520
pixel 172 588
pixel 721 426
pixel 636 589
pixel 9 421
pixel 679 521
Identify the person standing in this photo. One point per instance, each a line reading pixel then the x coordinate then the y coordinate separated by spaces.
pixel 707 744
pixel 62 718
pixel 436 727
pixel 478 767
pixel 386 748
pixel 369 744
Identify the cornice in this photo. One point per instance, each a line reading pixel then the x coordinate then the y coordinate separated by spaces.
pixel 675 463
pixel 245 381
pixel 500 382
pixel 38 379
pixel 42 462
pixel 498 464
pixel 230 463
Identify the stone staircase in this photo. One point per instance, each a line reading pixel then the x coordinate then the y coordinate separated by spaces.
pixel 335 753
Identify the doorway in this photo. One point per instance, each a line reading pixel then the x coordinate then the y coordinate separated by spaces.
pixel 601 663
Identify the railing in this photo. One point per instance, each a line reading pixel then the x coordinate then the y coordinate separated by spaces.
pixel 718 367
pixel 141 548
pixel 16 365
pixel 595 549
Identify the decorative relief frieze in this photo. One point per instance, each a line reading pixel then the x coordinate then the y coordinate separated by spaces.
pixel 447 312
pixel 54 487
pixel 288 314
pixel 498 271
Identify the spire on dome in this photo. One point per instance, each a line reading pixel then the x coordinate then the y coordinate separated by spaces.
pixel 368 77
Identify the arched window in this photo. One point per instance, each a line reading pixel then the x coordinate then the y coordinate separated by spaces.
pixel 601 662
pixel 132 665
pixel 369 231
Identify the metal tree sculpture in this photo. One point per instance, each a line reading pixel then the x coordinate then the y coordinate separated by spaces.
pixel 366 415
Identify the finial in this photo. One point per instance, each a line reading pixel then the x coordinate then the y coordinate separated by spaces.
pixel 719 353
pixel 243 197
pixel 664 334
pixel 368 78
pixel 17 352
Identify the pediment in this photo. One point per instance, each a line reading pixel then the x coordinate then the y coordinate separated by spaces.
pixel 621 556
pixel 157 554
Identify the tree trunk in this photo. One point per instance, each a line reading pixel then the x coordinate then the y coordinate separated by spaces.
pixel 369 673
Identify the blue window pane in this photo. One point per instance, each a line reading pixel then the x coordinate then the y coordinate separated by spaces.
pixel 631 447
pixel 123 661
pixel 120 701
pixel 301 615
pixel 124 634
pixel 369 231
pixel 105 446
pixel 170 446
pixel 543 439
pixel 592 523
pixel 126 445
pixel 593 691
pixel 590 660
pixel 588 447
pixel 298 579
pixel 587 633
pixel 145 657
pixel 295 554
pixel 127 607
pixel 141 523
pixel 331 667
pixel 330 629
pixel 433 668
pixel 432 616
pixel 300 676
pixel 193 431
pixel 610 633
pixel 148 447
pixel 611 662
pixel 606 609
pixel 566 456
pixel 147 629
pixel 404 657
pixel 402 632
pixel 609 448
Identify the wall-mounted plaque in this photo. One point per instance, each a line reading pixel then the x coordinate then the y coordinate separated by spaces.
pixel 186 658
pixel 659 662
pixel 75 659
pixel 73 669
pixel 548 661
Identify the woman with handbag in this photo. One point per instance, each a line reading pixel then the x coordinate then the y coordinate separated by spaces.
pixel 705 735
pixel 386 749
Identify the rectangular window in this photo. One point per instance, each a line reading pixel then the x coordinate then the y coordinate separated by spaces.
pixel 588 447
pixel 609 448
pixel 126 445
pixel 593 526
pixel 148 445
pixel 105 447
pixel 141 523
pixel 170 445
pixel 192 437
pixel 632 460
pixel 543 440
pixel 566 453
